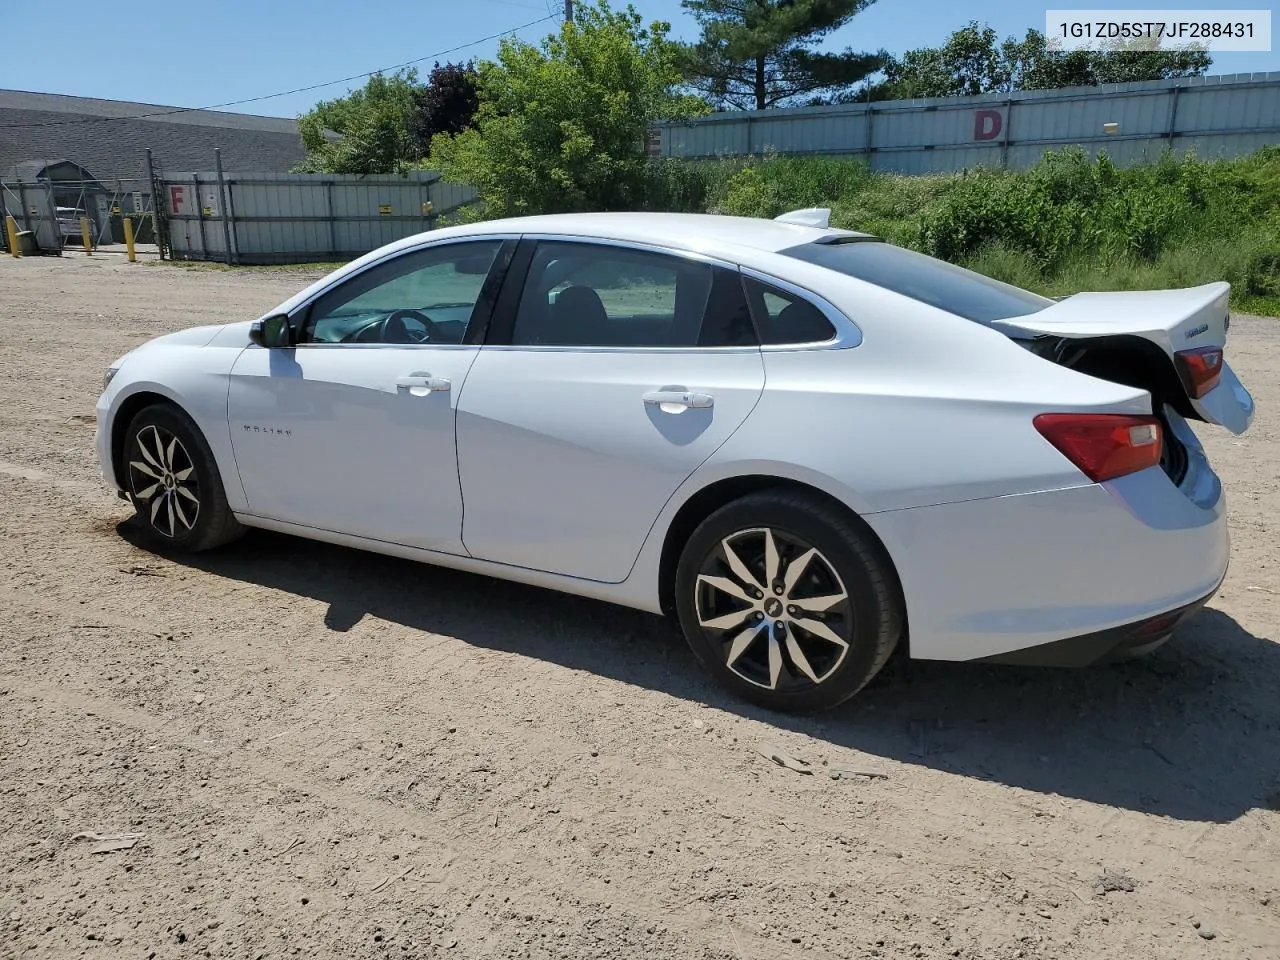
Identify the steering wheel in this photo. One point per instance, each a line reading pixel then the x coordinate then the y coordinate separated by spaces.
pixel 395 330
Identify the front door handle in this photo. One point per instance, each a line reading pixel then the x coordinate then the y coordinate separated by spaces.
pixel 420 384
pixel 675 401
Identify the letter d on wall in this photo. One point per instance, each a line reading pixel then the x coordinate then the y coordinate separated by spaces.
pixel 987 124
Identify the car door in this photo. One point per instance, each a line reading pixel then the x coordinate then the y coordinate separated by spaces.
pixel 607 379
pixel 352 429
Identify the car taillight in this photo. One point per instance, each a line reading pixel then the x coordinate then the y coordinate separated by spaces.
pixel 1104 445
pixel 1200 369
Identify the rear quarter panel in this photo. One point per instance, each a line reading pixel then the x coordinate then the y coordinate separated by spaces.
pixel 929 408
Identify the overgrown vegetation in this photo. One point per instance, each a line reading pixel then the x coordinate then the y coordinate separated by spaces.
pixel 1072 222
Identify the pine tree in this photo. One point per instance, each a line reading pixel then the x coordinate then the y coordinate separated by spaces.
pixel 760 53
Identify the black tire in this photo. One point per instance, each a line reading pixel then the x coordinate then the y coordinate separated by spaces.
pixel 175 487
pixel 848 561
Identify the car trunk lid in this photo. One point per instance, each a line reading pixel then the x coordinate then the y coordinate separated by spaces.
pixel 1176 321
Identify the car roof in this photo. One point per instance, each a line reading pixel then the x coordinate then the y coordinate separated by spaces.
pixel 734 239
pixel 699 232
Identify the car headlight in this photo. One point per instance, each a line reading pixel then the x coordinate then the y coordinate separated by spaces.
pixel 106 379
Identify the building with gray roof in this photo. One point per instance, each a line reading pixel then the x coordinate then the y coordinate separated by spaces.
pixel 109 138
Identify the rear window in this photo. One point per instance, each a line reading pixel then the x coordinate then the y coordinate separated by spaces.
pixel 935 282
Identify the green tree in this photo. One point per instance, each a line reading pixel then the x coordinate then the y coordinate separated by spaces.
pixel 755 54
pixel 562 126
pixel 375 127
pixel 971 61
pixel 1035 67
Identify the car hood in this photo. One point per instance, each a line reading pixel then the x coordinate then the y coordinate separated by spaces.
pixel 231 334
pixel 221 334
pixel 193 336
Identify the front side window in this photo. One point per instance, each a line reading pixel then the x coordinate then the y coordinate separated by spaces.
pixel 423 297
pixel 582 294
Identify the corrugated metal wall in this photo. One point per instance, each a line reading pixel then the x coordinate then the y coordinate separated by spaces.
pixel 300 217
pixel 1219 116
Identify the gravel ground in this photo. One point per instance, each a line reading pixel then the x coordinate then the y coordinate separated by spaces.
pixel 332 754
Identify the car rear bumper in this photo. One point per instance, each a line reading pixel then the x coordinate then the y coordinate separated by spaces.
pixel 1087 568
pixel 1104 646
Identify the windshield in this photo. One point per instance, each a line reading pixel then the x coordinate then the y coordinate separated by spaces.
pixel 935 282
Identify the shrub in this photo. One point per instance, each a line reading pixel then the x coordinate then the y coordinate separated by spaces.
pixel 675 186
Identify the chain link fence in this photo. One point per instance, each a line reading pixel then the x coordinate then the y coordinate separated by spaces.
pixel 50 214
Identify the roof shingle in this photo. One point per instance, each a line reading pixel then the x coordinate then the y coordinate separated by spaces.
pixel 110 137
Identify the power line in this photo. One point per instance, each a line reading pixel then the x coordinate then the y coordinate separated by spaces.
pixel 523 6
pixel 284 93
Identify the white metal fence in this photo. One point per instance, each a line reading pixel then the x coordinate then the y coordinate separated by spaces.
pixel 1218 116
pixel 299 217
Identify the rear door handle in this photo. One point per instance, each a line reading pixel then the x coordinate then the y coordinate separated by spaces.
pixel 673 401
pixel 420 384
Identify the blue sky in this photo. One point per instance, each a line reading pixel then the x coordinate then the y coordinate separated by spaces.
pixel 247 49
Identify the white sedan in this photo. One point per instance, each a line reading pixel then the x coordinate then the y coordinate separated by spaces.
pixel 806 444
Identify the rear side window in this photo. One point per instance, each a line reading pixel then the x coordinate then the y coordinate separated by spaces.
pixel 596 295
pixel 935 282
pixel 782 317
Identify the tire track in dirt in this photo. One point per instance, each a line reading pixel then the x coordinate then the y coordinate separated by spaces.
pixel 666 785
pixel 654 781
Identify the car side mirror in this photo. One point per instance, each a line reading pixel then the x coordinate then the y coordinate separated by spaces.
pixel 274 331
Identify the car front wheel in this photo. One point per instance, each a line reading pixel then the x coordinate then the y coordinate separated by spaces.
pixel 788 601
pixel 173 482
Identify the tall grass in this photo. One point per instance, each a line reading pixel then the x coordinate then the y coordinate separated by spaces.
pixel 1073 222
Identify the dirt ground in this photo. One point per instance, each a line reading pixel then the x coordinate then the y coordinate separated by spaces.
pixel 331 754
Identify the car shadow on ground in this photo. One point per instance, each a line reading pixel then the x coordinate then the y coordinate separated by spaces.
pixel 1190 732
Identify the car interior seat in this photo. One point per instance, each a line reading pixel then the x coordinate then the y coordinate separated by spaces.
pixel 800 322
pixel 577 316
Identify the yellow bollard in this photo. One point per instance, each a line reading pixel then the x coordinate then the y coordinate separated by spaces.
pixel 128 239
pixel 11 225
pixel 84 236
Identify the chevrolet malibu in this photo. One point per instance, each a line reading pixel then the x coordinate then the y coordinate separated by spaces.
pixel 805 444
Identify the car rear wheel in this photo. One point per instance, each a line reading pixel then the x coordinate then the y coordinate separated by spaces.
pixel 173 482
pixel 790 603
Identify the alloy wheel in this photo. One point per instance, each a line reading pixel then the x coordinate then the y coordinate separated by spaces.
pixel 165 480
pixel 776 608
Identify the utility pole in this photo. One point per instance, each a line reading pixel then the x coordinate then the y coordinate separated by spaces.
pixel 568 11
